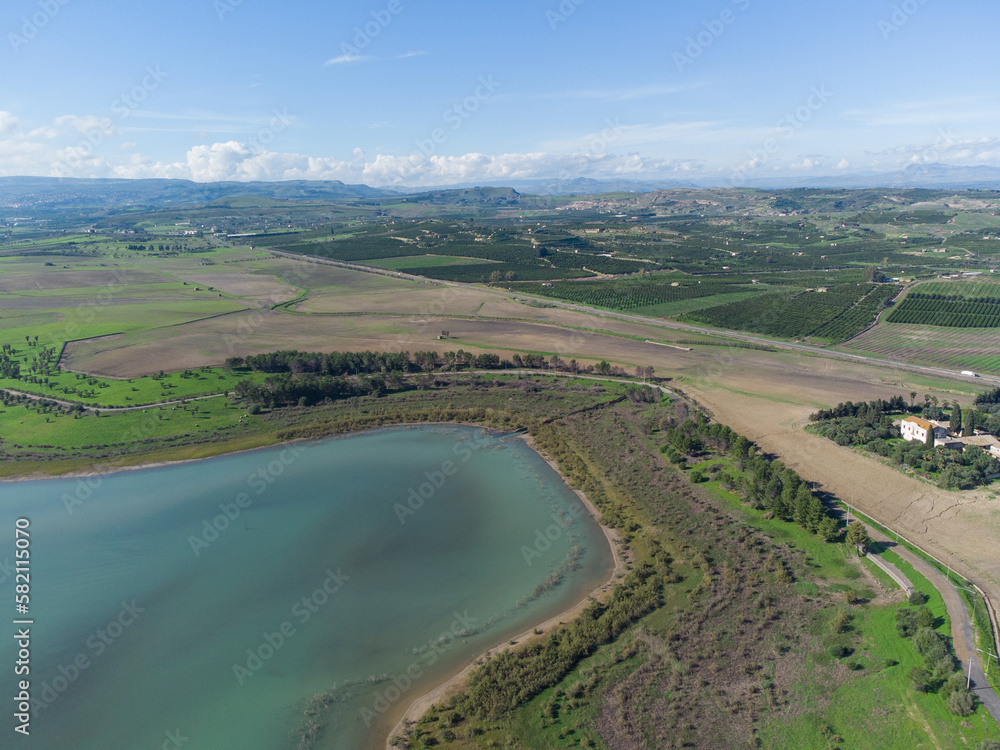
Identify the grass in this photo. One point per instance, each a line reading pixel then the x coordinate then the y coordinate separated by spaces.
pixel 903 718
pixel 879 710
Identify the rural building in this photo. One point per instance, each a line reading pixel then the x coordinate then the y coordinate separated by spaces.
pixel 987 442
pixel 915 428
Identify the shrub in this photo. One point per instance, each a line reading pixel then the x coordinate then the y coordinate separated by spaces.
pixel 925 618
pixel 838 651
pixel 840 621
pixel 920 679
pixel 961 703
pixel 906 622
pixel 697 476
pixel 917 598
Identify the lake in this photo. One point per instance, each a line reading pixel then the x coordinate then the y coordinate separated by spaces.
pixel 309 590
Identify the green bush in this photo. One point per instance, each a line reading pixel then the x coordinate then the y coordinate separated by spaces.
pixel 961 702
pixel 918 598
pixel 838 651
pixel 920 679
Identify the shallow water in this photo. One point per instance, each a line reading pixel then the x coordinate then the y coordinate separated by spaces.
pixel 205 605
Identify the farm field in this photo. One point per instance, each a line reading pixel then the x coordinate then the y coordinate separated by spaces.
pixel 421 261
pixel 958 304
pixel 828 314
pixel 976 349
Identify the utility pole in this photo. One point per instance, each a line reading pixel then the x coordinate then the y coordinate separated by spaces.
pixel 968 683
pixel 989 655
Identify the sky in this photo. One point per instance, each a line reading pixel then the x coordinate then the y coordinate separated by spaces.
pixel 418 93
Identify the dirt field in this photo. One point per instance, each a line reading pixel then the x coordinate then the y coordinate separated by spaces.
pixel 55 278
pixel 766 396
pixel 771 406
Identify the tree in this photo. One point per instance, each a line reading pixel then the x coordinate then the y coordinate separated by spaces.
pixel 920 679
pixel 913 396
pixel 925 618
pixel 961 702
pixel 969 422
pixel 955 423
pixel 857 536
pixel 929 437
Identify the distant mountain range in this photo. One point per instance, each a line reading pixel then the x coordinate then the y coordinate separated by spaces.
pixel 928 176
pixel 53 192
pixel 931 176
pixel 56 192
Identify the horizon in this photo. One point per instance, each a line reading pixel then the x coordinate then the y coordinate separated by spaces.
pixel 388 94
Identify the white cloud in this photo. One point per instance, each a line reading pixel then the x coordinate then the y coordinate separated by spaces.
pixel 843 164
pixel 233 160
pixel 8 123
pixel 805 165
pixel 407 55
pixel 87 124
pixel 346 59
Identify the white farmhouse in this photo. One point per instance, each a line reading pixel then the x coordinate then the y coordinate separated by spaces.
pixel 915 428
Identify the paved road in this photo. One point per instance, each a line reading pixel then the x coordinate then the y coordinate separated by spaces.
pixel 961 623
pixel 803 348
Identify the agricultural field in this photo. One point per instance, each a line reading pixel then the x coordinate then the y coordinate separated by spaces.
pixel 836 314
pixel 646 294
pixel 958 304
pixel 976 349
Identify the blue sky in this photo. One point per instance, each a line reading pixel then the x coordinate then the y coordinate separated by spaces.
pixel 403 92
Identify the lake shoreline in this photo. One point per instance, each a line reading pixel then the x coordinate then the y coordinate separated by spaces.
pixel 457 680
pixel 111 469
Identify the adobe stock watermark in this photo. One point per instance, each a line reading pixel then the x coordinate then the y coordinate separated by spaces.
pixel 561 13
pixel 86 486
pixel 545 538
pixel 302 611
pixel 121 107
pixel 787 127
pixel 224 7
pixel 945 138
pixel 279 122
pixel 258 481
pixel 457 115
pixel 900 16
pixel 97 644
pixel 462 626
pixel 367 33
pixel 596 148
pixel 714 28
pixel 32 26
pixel 435 479
pixel 174 740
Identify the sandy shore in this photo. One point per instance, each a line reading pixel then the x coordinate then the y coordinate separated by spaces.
pixel 457 681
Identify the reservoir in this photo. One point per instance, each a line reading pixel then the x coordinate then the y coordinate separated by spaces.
pixel 296 596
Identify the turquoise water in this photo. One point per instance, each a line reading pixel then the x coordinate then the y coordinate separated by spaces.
pixel 362 570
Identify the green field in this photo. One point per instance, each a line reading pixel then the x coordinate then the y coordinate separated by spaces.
pixel 957 349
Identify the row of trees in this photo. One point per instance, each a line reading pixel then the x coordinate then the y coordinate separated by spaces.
pixel 763 483
pixel 306 378
pixel 939 674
